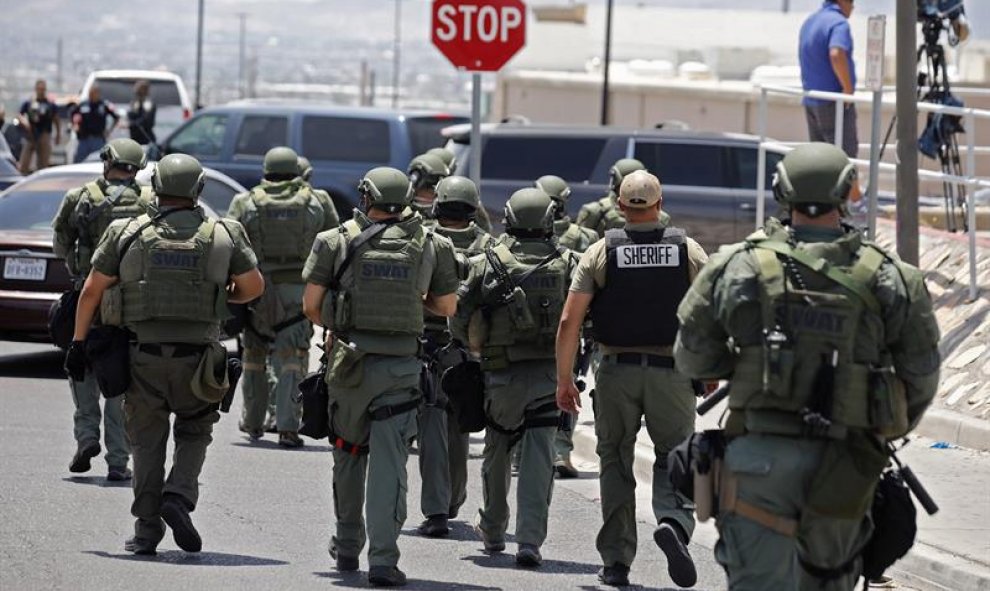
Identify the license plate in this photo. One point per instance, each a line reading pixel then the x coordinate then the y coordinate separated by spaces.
pixel 24 269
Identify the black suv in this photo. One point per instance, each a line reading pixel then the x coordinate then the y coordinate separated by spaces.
pixel 709 179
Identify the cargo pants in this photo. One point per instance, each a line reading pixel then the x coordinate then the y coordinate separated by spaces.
pixel 375 482
pixel 511 395
pixel 86 420
pixel 160 388
pixel 624 395
pixel 774 473
pixel 287 358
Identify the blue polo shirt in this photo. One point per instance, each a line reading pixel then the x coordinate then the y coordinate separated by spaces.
pixel 823 30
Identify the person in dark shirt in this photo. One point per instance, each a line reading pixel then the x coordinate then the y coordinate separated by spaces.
pixel 141 114
pixel 39 116
pixel 89 120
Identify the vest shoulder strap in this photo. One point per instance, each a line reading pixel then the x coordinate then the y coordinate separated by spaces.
pixel 615 237
pixel 96 194
pixel 871 258
pixel 673 235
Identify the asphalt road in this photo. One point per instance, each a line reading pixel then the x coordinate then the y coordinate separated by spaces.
pixel 265 515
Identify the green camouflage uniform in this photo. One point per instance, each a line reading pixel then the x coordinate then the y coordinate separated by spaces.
pixel 376 317
pixel 83 216
pixel 806 490
pixel 173 324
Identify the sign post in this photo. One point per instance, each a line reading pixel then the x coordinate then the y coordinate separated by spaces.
pixel 876 33
pixel 478 36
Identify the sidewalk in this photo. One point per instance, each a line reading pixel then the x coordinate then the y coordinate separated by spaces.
pixel 952 551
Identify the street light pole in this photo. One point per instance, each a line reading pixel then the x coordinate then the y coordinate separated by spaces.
pixel 396 49
pixel 241 56
pixel 607 60
pixel 199 57
pixel 907 131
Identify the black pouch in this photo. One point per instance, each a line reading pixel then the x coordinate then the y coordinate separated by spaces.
pixel 234 371
pixel 464 385
pixel 679 470
pixel 895 525
pixel 108 351
pixel 315 398
pixel 62 319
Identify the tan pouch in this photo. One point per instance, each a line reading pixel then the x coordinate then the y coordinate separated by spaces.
pixel 210 381
pixel 112 306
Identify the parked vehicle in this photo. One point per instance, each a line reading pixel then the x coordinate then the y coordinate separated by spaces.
pixel 168 91
pixel 341 142
pixel 32 276
pixel 709 179
pixel 9 173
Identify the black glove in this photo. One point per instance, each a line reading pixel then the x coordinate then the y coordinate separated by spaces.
pixel 75 361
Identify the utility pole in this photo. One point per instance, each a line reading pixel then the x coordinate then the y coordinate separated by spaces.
pixel 242 56
pixel 608 58
pixel 786 7
pixel 396 52
pixel 199 57
pixel 58 65
pixel 907 132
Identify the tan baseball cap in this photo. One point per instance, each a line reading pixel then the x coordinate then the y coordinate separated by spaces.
pixel 640 190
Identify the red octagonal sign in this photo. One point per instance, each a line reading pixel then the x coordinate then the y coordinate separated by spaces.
pixel 479 35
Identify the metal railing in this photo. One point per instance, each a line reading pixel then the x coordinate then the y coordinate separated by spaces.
pixel 970 180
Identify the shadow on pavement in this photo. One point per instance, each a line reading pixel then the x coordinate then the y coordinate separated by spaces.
pixel 550 566
pixel 97 481
pixel 273 444
pixel 38 365
pixel 632 586
pixel 181 558
pixel 359 580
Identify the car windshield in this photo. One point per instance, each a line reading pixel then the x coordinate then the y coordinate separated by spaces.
pixel 121 91
pixel 32 205
pixel 424 132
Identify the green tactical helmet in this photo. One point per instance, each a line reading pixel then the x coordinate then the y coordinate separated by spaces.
pixel 386 188
pixel 619 171
pixel 426 170
pixel 124 153
pixel 305 168
pixel 529 211
pixel 178 175
pixel 554 186
pixel 457 198
pixel 815 173
pixel 281 160
pixel 446 156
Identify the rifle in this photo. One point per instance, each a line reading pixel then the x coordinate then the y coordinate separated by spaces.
pixel 911 480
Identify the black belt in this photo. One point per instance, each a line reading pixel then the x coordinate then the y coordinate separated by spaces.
pixel 641 359
pixel 178 349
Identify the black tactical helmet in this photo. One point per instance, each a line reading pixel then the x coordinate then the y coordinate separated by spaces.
pixel 386 188
pixel 814 174
pixel 619 171
pixel 178 175
pixel 124 153
pixel 281 161
pixel 426 170
pixel 530 212
pixel 305 168
pixel 457 199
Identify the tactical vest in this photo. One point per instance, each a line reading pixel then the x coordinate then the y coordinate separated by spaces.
pixel 809 359
pixel 383 294
pixel 525 327
pixel 468 242
pixel 95 211
pixel 572 236
pixel 638 263
pixel 282 227
pixel 175 287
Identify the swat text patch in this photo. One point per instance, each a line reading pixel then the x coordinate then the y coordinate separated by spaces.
pixel 635 256
pixel 174 260
pixel 385 271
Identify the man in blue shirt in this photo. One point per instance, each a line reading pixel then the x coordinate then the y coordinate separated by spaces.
pixel 89 119
pixel 825 49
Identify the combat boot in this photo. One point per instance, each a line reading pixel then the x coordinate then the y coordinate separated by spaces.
pixel 85 451
pixel 345 564
pixel 175 512
pixel 492 546
pixel 140 546
pixel 386 576
pixel 290 439
pixel 435 526
pixel 564 468
pixel 672 541
pixel 119 473
pixel 254 434
pixel 528 555
pixel 616 575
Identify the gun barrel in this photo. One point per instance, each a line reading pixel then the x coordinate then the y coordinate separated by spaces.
pixel 712 400
pixel 919 491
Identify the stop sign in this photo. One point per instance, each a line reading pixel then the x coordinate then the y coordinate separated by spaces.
pixel 479 35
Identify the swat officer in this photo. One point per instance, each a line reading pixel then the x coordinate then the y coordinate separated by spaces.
pixel 644 266
pixel 329 209
pixel 445 155
pixel 604 214
pixel 83 216
pixel 425 171
pixel 89 120
pixel 141 113
pixel 831 346
pixel 369 282
pixel 508 311
pixel 166 276
pixel 282 216
pixel 443 449
pixel 576 238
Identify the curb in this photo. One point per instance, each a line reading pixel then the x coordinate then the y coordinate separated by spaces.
pixel 925 567
pixel 955 428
